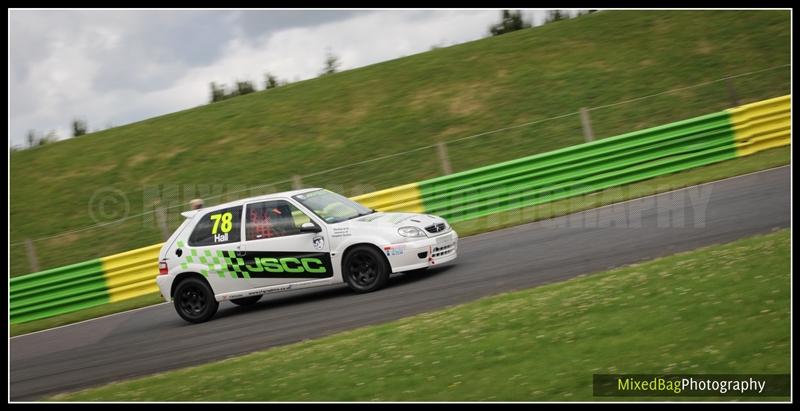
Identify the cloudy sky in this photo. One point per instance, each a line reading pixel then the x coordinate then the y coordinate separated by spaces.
pixel 117 67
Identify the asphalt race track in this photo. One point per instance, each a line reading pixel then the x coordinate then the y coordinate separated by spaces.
pixel 155 339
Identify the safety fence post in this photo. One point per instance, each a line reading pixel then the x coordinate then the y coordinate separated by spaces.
pixel 31 251
pixel 442 149
pixel 588 135
pixel 297 182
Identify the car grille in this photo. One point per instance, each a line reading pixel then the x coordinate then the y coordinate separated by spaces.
pixel 435 228
pixel 443 250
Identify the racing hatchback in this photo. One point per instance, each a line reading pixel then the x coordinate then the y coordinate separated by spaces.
pixel 244 249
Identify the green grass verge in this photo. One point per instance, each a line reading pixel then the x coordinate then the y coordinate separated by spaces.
pixel 718 309
pixel 440 95
pixel 93 312
pixel 759 161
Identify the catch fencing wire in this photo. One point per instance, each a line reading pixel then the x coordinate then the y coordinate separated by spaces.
pixel 417 149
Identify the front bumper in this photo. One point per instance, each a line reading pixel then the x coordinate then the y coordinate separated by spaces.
pixel 422 253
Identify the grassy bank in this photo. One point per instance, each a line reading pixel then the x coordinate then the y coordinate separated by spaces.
pixel 441 95
pixel 719 309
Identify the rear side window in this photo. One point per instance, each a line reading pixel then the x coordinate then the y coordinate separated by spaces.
pixel 218 227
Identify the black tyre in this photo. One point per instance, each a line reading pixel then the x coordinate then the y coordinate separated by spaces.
pixel 194 300
pixel 365 269
pixel 247 300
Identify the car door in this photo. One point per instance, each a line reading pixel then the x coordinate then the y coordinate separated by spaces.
pixel 213 248
pixel 276 251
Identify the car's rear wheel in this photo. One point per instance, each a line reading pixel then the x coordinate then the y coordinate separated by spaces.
pixel 194 300
pixel 365 269
pixel 246 300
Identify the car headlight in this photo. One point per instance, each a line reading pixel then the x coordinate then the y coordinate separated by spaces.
pixel 413 232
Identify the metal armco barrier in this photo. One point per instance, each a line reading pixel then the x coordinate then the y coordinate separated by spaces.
pixel 57 291
pixel 461 196
pixel 132 273
pixel 401 198
pixel 762 125
pixel 66 289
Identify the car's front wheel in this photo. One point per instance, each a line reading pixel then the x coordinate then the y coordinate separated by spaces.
pixel 365 269
pixel 194 300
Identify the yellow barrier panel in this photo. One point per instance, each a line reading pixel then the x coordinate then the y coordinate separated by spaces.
pixel 132 273
pixel 401 198
pixel 762 125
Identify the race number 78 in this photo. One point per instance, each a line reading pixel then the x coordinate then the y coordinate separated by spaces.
pixel 227 222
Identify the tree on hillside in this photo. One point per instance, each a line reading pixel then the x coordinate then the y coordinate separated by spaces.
pixel 78 128
pixel 331 64
pixel 31 138
pixel 270 81
pixel 217 93
pixel 555 15
pixel 244 87
pixel 51 137
pixel 510 21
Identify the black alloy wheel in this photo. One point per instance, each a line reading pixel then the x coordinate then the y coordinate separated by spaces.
pixel 365 269
pixel 194 301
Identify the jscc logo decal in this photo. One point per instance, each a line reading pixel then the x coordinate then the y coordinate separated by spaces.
pixel 287 265
pixel 284 264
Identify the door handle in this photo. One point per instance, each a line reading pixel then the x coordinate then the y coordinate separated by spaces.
pixel 241 253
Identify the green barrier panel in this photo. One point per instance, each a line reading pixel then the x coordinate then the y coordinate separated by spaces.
pixel 580 169
pixel 57 291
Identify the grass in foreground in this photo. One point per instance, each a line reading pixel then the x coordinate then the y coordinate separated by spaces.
pixel 719 309
pixel 759 161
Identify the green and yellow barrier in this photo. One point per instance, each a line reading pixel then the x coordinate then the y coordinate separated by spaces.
pixel 57 291
pixel 75 287
pixel 131 274
pixel 523 182
pixel 401 198
pixel 762 125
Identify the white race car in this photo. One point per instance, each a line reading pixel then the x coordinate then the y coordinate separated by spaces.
pixel 244 249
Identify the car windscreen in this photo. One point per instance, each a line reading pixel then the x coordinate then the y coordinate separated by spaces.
pixel 331 207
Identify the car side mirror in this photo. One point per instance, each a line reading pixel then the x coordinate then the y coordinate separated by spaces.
pixel 310 227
